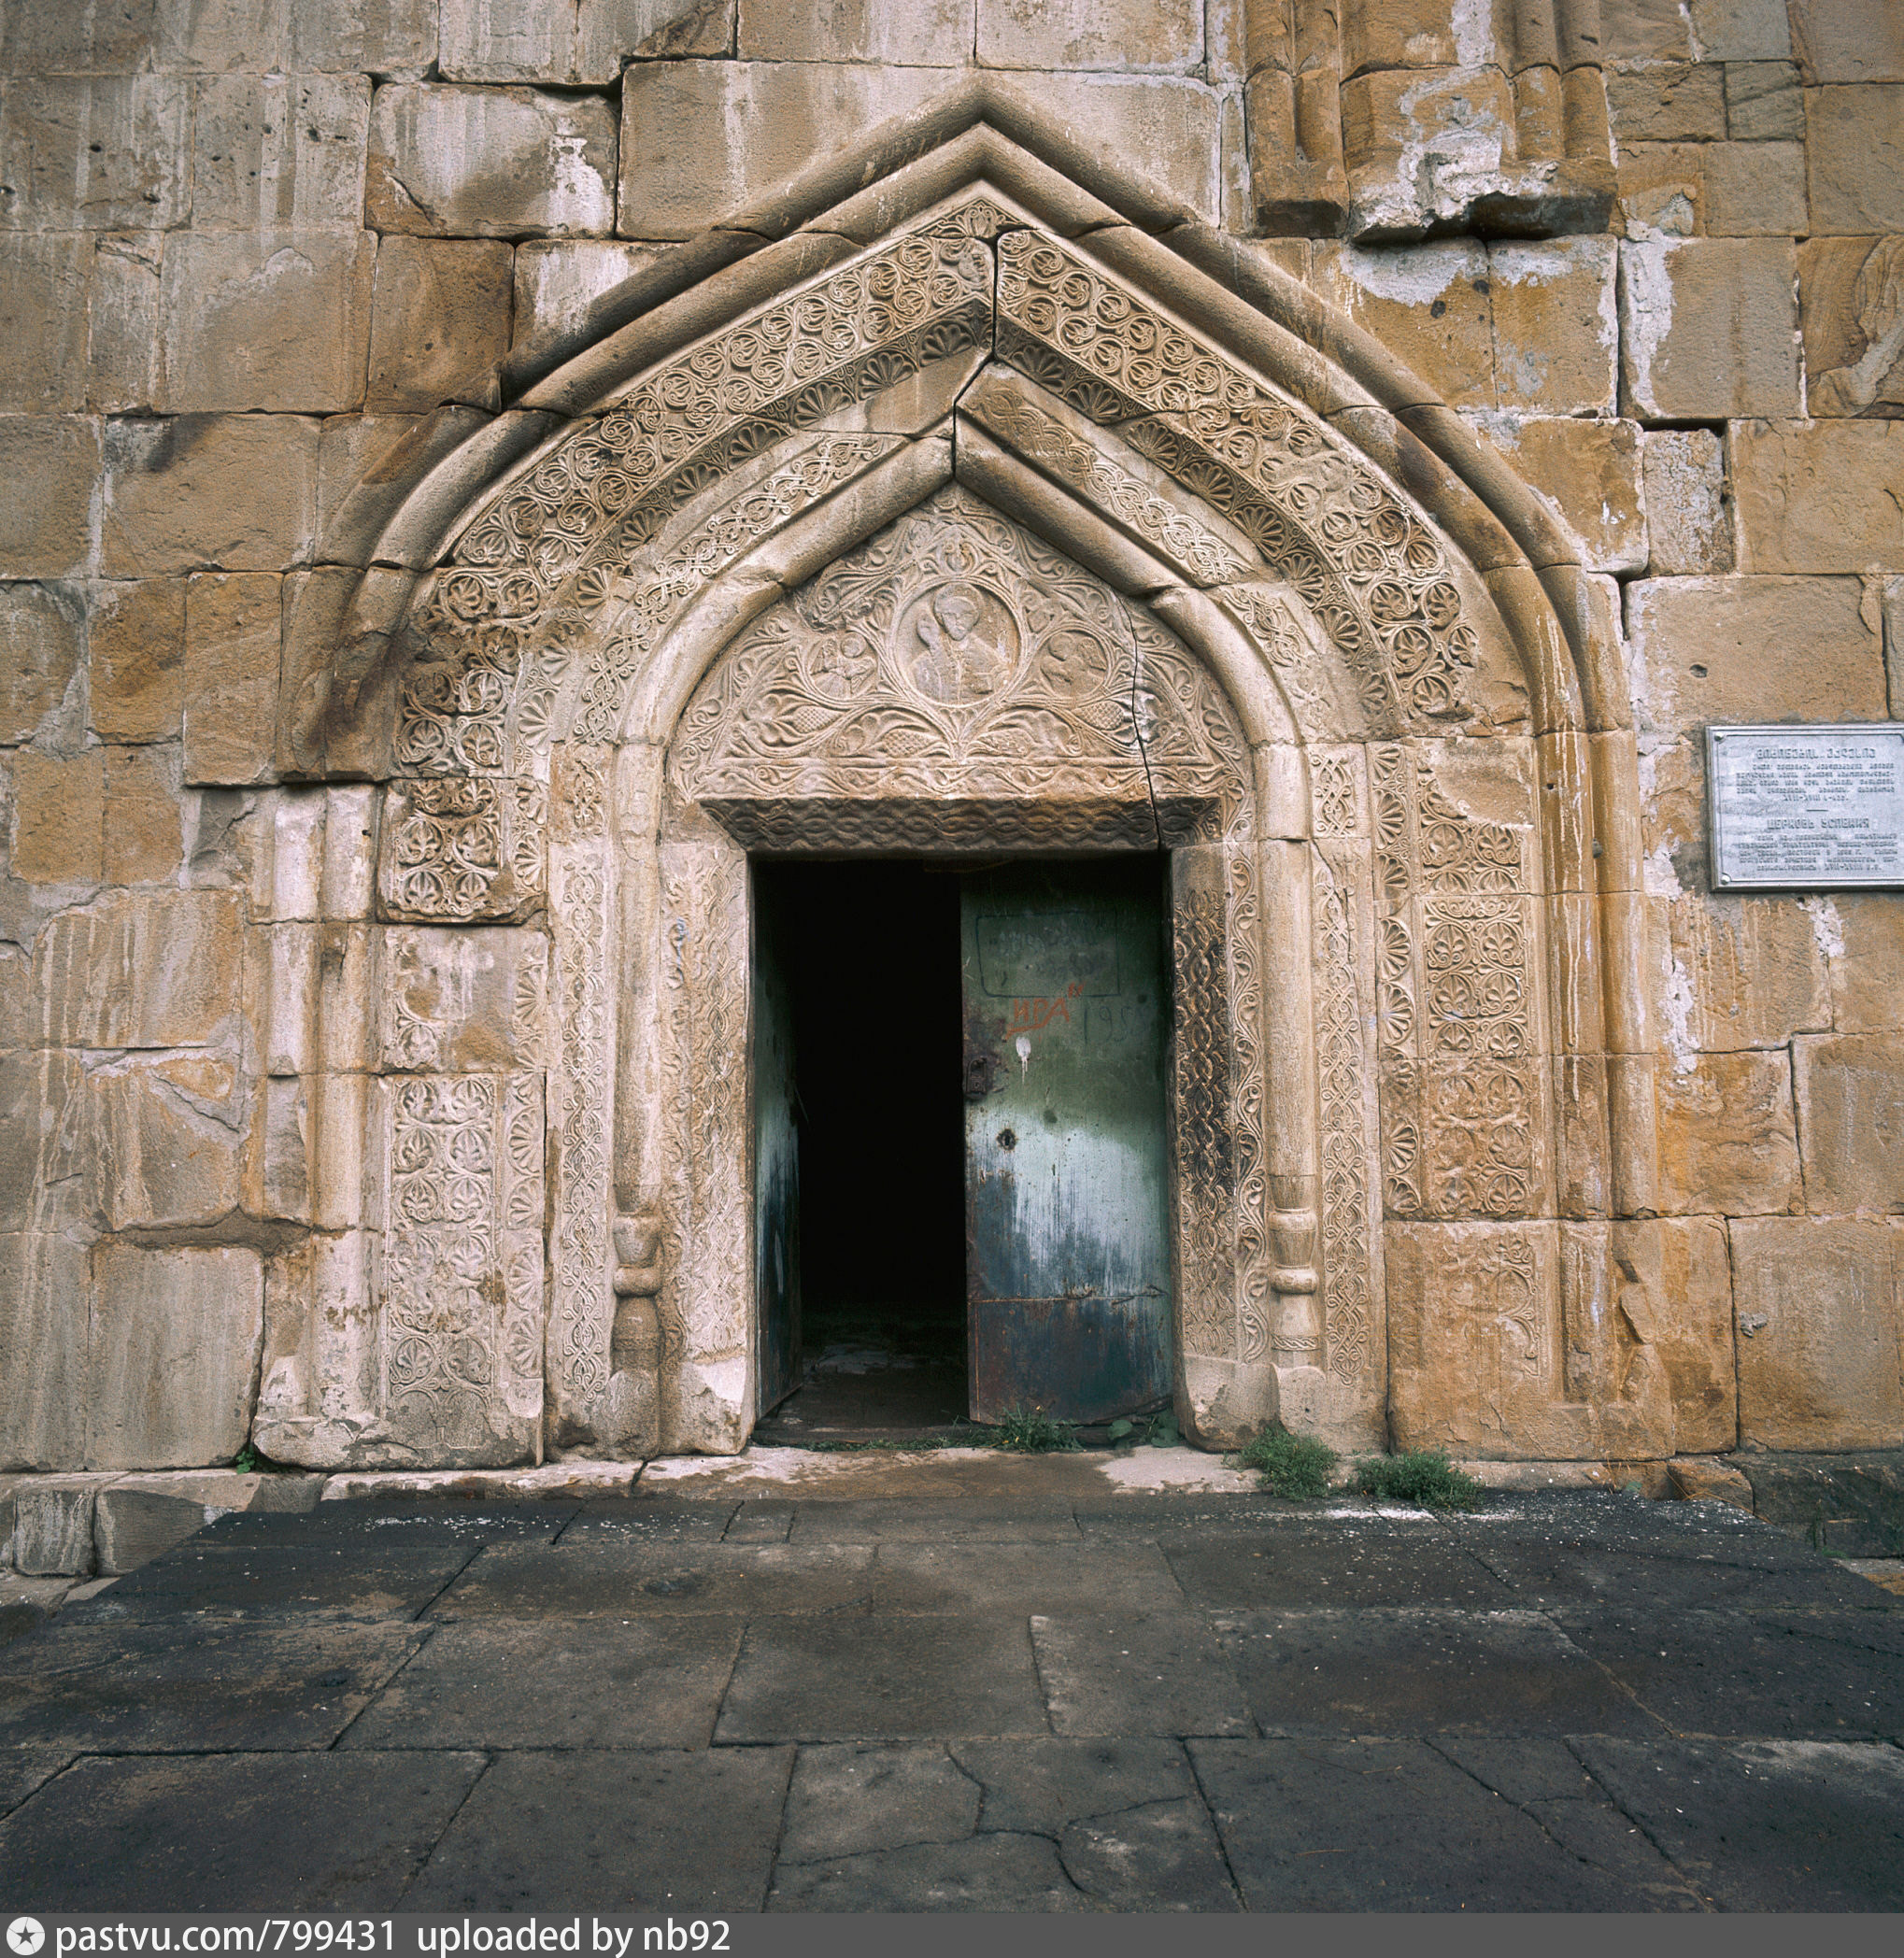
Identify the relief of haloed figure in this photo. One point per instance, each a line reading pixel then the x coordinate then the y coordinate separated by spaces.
pixel 958 644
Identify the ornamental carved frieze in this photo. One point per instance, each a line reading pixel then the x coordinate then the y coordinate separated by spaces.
pixel 1464 1100
pixel 955 657
pixel 1372 573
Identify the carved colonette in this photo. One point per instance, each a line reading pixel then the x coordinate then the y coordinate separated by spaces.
pixel 590 719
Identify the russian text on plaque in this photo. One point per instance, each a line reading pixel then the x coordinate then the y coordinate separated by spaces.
pixel 1806 808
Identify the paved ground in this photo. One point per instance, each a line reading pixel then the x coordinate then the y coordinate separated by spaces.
pixel 1034 1692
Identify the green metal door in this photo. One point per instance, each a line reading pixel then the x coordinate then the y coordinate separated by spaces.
pixel 1067 1249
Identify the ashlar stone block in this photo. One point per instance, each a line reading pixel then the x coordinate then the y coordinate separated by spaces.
pixel 146 968
pixel 1728 1141
pixel 138 637
pixel 468 1001
pixel 141 841
pixel 557 279
pixel 1698 647
pixel 278 153
pixel 1555 327
pixel 1427 304
pixel 1129 35
pixel 39 654
pixel 59 808
pixel 1753 967
pixel 238 492
pixel 53 1528
pixel 1688 512
pixel 1590 470
pixel 45 280
pixel 1853 325
pixel 1864 938
pixel 45 1289
pixel 1851 1113
pixel 125 307
pixel 95 152
pixel 1683 1266
pixel 1818 1333
pixel 1682 102
pixel 1854 158
pixel 48 473
pixel 391 37
pixel 233 642
pixel 493 163
pixel 585 43
pixel 173 1357
pixel 1764 102
pixel 441 318
pixel 1848 41
pixel 1756 190
pixel 1741 30
pixel 1707 328
pixel 170 1133
pixel 1819 496
pixel 273 320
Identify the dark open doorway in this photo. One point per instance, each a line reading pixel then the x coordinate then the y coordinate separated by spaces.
pixel 866 958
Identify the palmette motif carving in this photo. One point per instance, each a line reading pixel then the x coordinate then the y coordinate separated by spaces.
pixel 1461 1086
pixel 953 655
pixel 462 1307
pixel 1248 1143
pixel 1370 569
pixel 845 337
pixel 455 850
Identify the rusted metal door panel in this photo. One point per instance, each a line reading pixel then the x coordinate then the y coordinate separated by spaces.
pixel 776 1162
pixel 1067 1250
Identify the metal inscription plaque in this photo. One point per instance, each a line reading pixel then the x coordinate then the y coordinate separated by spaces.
pixel 1806 808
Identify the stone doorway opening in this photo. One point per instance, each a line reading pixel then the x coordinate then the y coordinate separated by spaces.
pixel 857 1040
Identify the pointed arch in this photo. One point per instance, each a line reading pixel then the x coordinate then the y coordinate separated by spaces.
pixel 1439 858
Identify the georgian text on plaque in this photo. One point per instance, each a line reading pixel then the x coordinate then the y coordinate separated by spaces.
pixel 1807 807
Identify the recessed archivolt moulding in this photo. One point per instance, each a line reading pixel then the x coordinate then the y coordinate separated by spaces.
pixel 648 598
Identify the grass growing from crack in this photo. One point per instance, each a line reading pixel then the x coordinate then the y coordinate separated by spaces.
pixel 1029 1431
pixel 1286 1464
pixel 1421 1475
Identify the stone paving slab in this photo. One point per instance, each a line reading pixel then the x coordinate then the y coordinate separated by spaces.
pixel 233 1832
pixel 194 1687
pixel 1021 1578
pixel 928 1521
pixel 889 1678
pixel 687 1831
pixel 1330 1671
pixel 1052 1824
pixel 1139 1671
pixel 1397 1825
pixel 1028 1699
pixel 1768 1824
pixel 551 1684
pixel 446 1522
pixel 23 1769
pixel 378 1580
pixel 1737 1673
pixel 1565 1574
pixel 1364 1566
pixel 601 1579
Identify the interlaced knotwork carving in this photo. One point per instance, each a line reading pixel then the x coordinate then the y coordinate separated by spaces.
pixel 1340 1066
pixel 1374 574
pixel 1206 1161
pixel 582 1322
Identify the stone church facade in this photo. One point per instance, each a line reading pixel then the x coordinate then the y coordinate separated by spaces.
pixel 477 474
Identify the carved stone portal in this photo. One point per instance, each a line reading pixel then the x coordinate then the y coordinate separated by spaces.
pixel 970 543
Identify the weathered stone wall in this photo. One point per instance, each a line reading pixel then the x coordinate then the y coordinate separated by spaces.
pixel 1653 250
